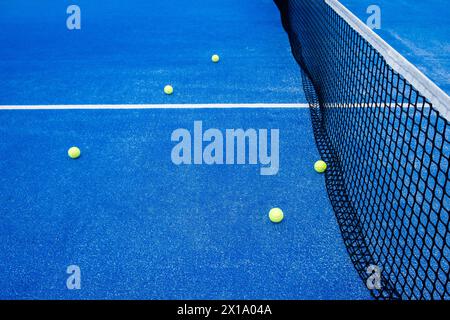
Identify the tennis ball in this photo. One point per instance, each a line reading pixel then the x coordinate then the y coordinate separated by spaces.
pixel 168 89
pixel 276 215
pixel 74 152
pixel 215 58
pixel 320 166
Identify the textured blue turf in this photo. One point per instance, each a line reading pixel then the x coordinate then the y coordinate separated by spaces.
pixel 141 227
pixel 419 30
pixel 137 225
pixel 127 53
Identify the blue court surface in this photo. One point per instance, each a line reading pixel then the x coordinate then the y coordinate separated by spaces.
pixel 138 225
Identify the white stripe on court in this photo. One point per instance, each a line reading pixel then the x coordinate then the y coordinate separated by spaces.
pixel 158 106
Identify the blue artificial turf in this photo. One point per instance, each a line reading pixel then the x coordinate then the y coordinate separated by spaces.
pixel 128 52
pixel 136 224
pixel 141 227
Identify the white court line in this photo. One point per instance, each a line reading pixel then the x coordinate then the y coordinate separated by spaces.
pixel 201 106
pixel 159 106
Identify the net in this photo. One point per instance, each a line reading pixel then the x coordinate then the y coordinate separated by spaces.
pixel 383 128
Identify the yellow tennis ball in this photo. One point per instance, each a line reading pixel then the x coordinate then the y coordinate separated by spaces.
pixel 168 89
pixel 276 215
pixel 320 166
pixel 215 58
pixel 74 152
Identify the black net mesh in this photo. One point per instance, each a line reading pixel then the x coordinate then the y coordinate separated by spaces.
pixel 388 153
